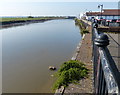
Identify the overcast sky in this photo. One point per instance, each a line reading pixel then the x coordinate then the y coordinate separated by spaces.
pixel 49 7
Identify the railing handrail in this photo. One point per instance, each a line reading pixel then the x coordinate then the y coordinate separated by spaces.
pixel 96 32
pixel 110 78
pixel 106 65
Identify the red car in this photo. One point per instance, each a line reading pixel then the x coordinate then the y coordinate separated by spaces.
pixel 118 21
pixel 108 20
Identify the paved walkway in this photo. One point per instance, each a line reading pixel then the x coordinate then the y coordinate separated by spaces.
pixel 88 22
pixel 114 48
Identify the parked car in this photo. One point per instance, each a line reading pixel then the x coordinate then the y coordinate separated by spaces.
pixel 118 20
pixel 114 20
pixel 108 20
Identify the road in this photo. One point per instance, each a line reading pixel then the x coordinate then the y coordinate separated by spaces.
pixel 114 47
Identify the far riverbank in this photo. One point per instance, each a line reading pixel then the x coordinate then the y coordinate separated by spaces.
pixel 17 21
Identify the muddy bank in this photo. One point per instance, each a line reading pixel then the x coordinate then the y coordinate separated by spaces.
pixel 9 22
pixel 19 23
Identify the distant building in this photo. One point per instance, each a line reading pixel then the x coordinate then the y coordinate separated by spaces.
pixel 82 16
pixel 90 15
pixel 106 14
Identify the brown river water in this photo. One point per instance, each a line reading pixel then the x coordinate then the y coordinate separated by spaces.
pixel 28 51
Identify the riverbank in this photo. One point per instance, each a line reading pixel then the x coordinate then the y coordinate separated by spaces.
pixel 9 22
pixel 83 54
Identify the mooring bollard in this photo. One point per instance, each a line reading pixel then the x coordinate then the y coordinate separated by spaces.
pixel 102 40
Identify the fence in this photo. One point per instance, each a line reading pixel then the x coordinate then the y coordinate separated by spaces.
pixel 106 74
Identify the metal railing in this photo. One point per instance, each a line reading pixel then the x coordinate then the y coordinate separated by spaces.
pixel 106 74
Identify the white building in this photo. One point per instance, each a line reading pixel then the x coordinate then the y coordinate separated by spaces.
pixel 106 14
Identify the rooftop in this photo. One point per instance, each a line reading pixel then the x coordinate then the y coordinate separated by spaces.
pixel 106 12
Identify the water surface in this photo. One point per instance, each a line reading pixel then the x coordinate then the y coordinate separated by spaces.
pixel 28 51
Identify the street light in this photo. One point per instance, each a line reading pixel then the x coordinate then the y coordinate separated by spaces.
pixel 101 6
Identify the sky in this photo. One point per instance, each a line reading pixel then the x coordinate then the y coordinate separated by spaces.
pixel 51 7
pixel 59 0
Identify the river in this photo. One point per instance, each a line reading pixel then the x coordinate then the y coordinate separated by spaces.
pixel 28 51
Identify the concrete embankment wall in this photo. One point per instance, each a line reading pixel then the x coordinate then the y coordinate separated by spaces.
pixel 87 25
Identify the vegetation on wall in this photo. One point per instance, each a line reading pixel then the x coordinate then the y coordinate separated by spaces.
pixel 81 26
pixel 70 72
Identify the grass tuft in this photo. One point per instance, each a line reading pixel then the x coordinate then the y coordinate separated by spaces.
pixel 70 72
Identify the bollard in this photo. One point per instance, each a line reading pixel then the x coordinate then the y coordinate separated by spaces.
pixel 102 40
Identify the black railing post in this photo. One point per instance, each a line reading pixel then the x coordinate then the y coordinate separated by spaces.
pixel 106 74
pixel 101 41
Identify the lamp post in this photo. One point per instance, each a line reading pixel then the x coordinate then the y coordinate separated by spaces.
pixel 101 6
